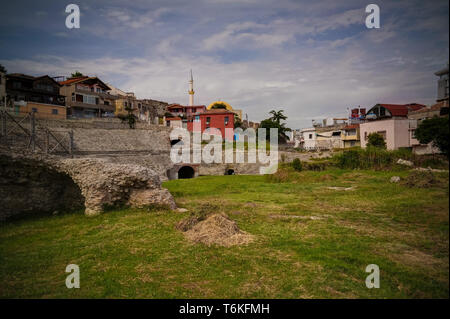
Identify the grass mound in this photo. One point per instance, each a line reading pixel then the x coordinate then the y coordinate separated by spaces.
pixel 216 229
pixel 422 179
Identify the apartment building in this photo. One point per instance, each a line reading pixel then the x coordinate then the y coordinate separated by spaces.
pixel 88 97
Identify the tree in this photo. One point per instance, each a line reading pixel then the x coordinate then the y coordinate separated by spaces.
pixel 278 116
pixel 129 117
pixel 238 122
pixel 2 69
pixel 434 130
pixel 275 122
pixel 376 140
pixel 76 74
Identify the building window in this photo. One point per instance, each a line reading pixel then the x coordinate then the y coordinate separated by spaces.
pixel 365 136
pixel 197 118
pixel 54 111
pixel 17 85
pixel 208 120
pixel 34 110
pixel 382 133
pixel 310 136
pixel 226 120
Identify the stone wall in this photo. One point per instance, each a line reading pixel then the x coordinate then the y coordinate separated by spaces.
pixel 31 183
pixel 29 186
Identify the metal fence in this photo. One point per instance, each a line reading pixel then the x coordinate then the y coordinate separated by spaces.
pixel 21 132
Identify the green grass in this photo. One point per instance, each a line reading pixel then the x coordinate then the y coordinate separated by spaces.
pixel 139 254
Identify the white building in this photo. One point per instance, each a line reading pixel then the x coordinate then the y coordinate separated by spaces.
pixel 309 137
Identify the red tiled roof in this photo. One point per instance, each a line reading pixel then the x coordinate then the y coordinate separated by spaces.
pixel 73 80
pixel 179 105
pixel 217 111
pixel 351 127
pixel 402 109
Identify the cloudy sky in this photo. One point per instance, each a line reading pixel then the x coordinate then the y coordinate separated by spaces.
pixel 313 59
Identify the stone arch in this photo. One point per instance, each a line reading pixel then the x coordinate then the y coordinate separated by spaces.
pixel 229 171
pixel 186 172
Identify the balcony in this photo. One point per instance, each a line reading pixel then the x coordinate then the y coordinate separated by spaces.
pixel 107 108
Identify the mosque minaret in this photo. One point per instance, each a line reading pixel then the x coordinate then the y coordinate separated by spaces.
pixel 191 91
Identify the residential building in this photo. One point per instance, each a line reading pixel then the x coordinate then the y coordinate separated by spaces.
pixel 442 91
pixel 42 89
pixel 213 119
pixel 350 136
pixel 40 95
pixel 174 122
pixel 390 121
pixel 88 97
pixel 439 109
pixel 308 138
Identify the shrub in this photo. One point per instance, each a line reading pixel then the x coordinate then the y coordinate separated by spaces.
pixel 297 165
pixel 376 140
pixel 371 157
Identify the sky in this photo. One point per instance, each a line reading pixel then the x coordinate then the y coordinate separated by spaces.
pixel 312 59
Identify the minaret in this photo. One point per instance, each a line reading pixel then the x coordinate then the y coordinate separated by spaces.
pixel 191 91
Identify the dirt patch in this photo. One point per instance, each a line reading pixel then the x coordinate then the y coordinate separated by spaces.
pixel 423 179
pixel 216 229
pixel 337 188
pixel 295 217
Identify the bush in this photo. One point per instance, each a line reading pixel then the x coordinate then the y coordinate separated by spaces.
pixel 297 165
pixel 376 140
pixel 371 157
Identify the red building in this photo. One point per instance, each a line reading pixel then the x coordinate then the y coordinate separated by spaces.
pixel 178 109
pixel 218 118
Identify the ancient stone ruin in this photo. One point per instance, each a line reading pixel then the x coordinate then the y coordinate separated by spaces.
pixel 29 184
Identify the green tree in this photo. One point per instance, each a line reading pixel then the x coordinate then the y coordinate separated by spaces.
pixel 237 122
pixel 3 69
pixel 129 117
pixel 297 165
pixel 77 74
pixel 275 122
pixel 278 116
pixel 376 140
pixel 436 131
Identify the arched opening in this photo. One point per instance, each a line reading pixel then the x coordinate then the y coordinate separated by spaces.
pixel 173 142
pixel 186 172
pixel 229 171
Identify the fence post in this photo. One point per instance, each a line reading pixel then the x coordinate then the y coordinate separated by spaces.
pixel 47 141
pixel 71 143
pixel 3 123
pixel 33 132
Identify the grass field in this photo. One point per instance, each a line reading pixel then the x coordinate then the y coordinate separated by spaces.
pixel 311 242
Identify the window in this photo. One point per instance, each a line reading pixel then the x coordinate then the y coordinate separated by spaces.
pixel 99 90
pixel 226 120
pixel 310 136
pixel 17 85
pixel 55 111
pixel 34 110
pixel 197 118
pixel 208 120
pixel 365 136
pixel 382 133
pixel 88 99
